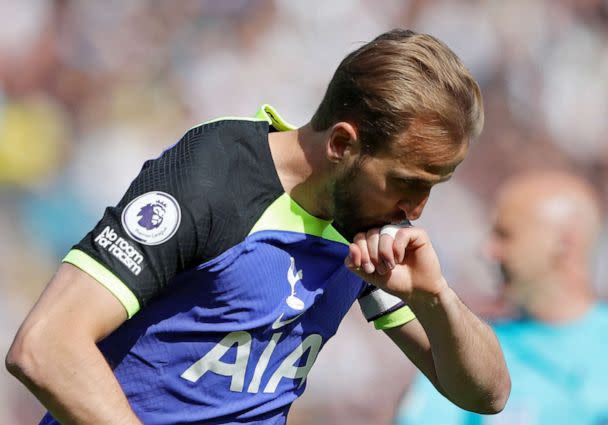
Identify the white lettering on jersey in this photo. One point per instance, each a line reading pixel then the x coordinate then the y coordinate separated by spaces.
pixel 287 368
pixel 121 249
pixel 260 368
pixel 211 361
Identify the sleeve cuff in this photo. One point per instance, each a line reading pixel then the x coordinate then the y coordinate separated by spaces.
pixel 375 303
pixel 97 271
pixel 394 319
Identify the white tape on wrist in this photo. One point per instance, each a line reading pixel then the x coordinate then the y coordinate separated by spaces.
pixel 392 229
pixel 377 303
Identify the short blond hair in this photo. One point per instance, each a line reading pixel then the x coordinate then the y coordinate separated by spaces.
pixel 401 76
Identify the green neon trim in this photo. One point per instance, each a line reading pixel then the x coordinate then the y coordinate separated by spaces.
pixel 394 319
pixel 271 115
pixel 108 279
pixel 265 113
pixel 285 214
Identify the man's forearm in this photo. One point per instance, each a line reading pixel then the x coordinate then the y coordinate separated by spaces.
pixel 72 380
pixel 468 359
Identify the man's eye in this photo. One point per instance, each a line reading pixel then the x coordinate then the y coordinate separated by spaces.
pixel 415 184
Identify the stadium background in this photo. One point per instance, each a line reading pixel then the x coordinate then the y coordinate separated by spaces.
pixel 89 90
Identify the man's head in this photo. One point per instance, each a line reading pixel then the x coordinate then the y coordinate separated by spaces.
pixel 398 79
pixel 403 105
pixel 545 227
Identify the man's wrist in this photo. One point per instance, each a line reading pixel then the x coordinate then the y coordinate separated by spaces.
pixel 421 301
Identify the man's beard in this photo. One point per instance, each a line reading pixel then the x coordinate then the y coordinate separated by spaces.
pixel 348 218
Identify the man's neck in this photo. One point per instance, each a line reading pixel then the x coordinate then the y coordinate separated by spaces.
pixel 562 303
pixel 302 169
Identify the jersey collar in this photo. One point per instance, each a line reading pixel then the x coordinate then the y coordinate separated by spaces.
pixel 268 113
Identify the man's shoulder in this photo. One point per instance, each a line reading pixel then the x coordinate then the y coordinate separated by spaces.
pixel 600 314
pixel 227 125
pixel 507 325
pixel 266 119
pixel 210 151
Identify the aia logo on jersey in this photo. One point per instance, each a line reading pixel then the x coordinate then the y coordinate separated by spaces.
pixel 152 218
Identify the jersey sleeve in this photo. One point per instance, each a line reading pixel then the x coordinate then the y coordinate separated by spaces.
pixel 160 227
pixel 384 309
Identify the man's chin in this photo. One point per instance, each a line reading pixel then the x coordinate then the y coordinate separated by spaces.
pixel 368 227
pixel 377 224
pixel 350 229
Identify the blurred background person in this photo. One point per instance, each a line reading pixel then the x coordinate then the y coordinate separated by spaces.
pixel 90 90
pixel 545 229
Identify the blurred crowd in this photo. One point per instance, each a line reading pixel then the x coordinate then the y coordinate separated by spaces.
pixel 89 90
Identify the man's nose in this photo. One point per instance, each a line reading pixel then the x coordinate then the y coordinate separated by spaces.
pixel 413 208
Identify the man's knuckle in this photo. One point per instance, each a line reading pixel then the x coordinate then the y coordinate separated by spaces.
pixel 386 251
pixel 358 237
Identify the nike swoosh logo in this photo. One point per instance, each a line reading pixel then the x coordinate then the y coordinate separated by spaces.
pixel 279 324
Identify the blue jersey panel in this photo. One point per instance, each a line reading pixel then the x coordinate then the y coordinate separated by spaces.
pixel 234 339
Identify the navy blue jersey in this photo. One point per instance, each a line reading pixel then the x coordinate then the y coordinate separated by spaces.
pixel 231 288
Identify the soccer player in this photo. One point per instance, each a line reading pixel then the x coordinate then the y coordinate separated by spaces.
pixel 544 232
pixel 205 295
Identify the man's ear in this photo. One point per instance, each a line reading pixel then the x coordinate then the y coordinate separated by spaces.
pixel 343 140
